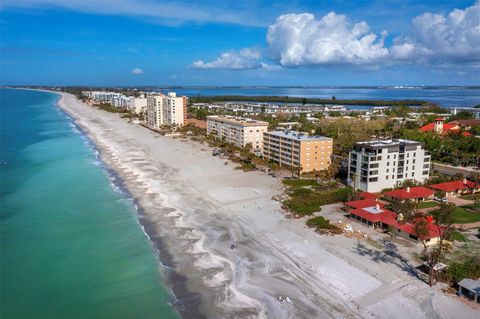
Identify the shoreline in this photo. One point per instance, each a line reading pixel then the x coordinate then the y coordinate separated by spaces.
pixel 184 301
pixel 196 206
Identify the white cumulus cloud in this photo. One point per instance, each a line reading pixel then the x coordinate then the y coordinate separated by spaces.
pixel 301 39
pixel 454 38
pixel 137 71
pixel 246 58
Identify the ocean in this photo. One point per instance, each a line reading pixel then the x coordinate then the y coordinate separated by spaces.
pixel 71 243
pixel 447 97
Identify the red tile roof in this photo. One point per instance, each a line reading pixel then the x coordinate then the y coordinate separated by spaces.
pixel 415 192
pixel 383 216
pixel 409 228
pixel 367 195
pixel 455 185
pixel 363 203
pixel 446 128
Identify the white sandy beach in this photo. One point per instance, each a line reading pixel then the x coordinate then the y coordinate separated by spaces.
pixel 197 207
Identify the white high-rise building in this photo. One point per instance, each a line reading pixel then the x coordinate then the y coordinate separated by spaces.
pixel 166 110
pixel 376 165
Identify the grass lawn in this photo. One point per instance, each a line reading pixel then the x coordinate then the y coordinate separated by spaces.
pixel 427 204
pixel 462 216
pixel 457 236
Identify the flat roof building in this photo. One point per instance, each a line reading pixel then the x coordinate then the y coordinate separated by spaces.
pixel 380 164
pixel 237 130
pixel 296 149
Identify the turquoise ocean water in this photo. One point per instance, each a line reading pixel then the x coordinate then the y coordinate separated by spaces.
pixel 71 245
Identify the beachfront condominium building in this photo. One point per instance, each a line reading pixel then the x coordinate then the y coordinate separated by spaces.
pixel 104 96
pixel 166 110
pixel 380 164
pixel 296 149
pixel 137 105
pixel 238 131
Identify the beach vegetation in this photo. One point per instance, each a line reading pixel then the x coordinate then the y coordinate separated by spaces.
pixel 299 182
pixel 306 201
pixel 459 270
pixel 322 225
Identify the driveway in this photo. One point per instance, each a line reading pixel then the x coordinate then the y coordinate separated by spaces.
pixel 459 201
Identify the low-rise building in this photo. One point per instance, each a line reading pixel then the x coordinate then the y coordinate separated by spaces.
pixel 470 289
pixel 457 188
pixel 374 214
pixel 237 130
pixel 380 164
pixel 415 194
pixel 295 149
pixel 440 127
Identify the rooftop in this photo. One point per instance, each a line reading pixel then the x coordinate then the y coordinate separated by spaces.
pixel 364 203
pixel 237 120
pixel 298 136
pixel 470 284
pixel 455 185
pixel 378 215
pixel 387 143
pixel 411 193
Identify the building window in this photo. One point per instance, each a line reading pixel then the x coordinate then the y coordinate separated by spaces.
pixel 373 179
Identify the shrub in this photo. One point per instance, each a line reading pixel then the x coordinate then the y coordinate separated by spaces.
pixel 322 224
pixel 457 271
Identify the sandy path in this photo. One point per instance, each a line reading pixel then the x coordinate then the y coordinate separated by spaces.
pixel 195 207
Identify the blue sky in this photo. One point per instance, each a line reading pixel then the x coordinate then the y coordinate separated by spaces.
pixel 146 42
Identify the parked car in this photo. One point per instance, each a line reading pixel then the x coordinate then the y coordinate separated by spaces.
pixel 441 199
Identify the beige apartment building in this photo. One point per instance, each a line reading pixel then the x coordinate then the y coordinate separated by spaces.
pixel 166 110
pixel 295 149
pixel 238 131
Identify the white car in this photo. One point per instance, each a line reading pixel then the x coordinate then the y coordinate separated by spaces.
pixel 441 199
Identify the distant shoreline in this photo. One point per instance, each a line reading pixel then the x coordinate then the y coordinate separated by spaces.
pixel 304 100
